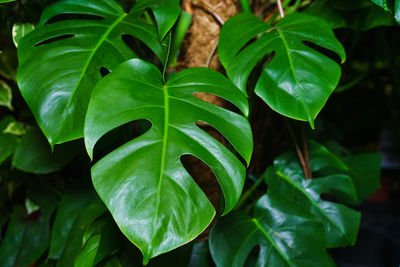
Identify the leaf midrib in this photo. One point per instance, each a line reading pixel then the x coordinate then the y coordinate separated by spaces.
pixel 92 54
pixel 267 235
pixel 300 93
pixel 287 179
pixel 163 153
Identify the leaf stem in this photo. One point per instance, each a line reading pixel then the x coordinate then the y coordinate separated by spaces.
pixel 249 193
pixel 306 155
pixel 167 58
pixel 245 6
pixel 298 150
pixel 280 7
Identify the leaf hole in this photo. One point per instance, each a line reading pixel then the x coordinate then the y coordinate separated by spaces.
pixel 214 133
pixel 329 53
pixel 119 136
pixel 54 39
pixel 138 47
pixel 257 71
pixel 104 72
pixel 205 178
pixel 73 16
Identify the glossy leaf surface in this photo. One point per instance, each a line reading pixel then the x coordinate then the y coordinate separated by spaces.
pixel 298 79
pixel 286 234
pixel 363 169
pixel 341 223
pixel 153 199
pixel 60 61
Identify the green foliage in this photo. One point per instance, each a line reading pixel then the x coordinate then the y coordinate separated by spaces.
pixel 292 224
pixel 66 79
pixel 104 70
pixel 166 208
pixel 286 233
pixel 292 83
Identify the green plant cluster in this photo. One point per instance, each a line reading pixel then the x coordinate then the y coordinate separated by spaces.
pixel 95 76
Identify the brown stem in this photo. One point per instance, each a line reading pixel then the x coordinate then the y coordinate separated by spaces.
pixel 296 145
pixel 306 155
pixel 212 54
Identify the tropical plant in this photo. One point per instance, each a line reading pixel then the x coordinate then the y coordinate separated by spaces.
pixel 103 75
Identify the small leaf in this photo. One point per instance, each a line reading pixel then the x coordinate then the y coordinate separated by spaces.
pixel 30 206
pixel 298 79
pixel 5 95
pixel 15 128
pixel 19 30
pixel 286 234
pixel 286 179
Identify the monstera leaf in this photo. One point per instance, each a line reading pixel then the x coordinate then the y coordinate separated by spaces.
pixel 286 234
pixel 341 223
pixel 298 79
pixel 60 61
pixel 153 199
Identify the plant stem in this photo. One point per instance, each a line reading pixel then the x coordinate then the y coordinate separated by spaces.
pixel 167 57
pixel 306 155
pixel 179 34
pixel 249 193
pixel 280 7
pixel 245 6
pixel 298 150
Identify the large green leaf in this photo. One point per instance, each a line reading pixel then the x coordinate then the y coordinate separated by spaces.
pixel 153 199
pixel 60 61
pixel 341 223
pixel 286 234
pixel 298 80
